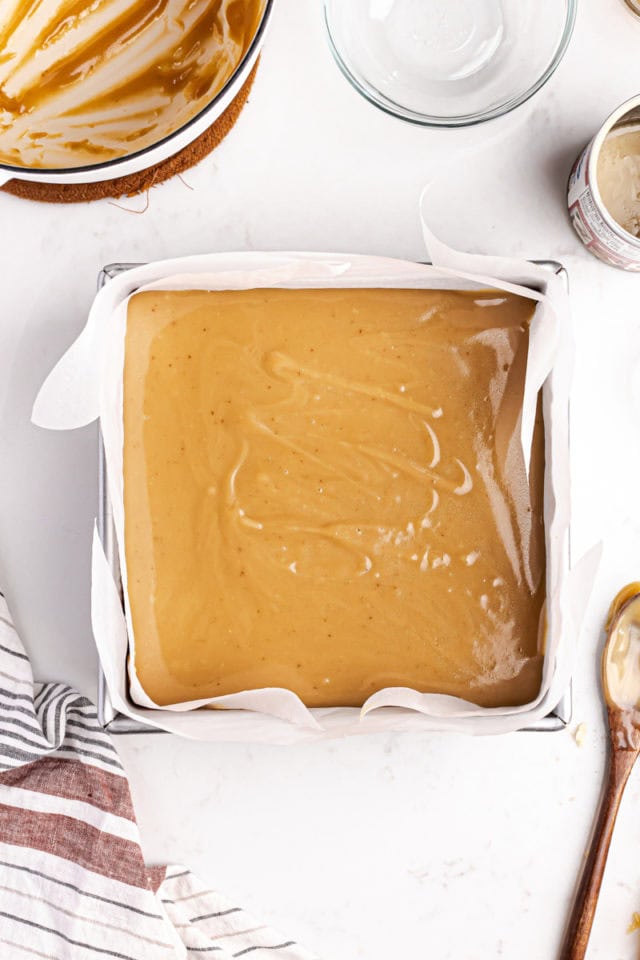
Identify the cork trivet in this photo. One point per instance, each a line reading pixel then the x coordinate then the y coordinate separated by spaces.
pixel 138 182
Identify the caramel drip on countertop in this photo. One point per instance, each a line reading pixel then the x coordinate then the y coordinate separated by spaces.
pixel 83 81
pixel 325 491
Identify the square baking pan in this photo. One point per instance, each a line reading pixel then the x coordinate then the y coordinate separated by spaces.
pixel 115 722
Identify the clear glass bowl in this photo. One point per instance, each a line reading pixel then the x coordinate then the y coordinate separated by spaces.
pixel 449 63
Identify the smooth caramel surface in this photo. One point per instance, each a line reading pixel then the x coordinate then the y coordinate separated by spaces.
pixel 84 81
pixel 325 491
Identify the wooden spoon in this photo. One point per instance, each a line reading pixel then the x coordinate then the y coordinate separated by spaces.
pixel 621 688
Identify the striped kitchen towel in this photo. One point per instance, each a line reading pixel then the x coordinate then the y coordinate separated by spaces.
pixel 73 882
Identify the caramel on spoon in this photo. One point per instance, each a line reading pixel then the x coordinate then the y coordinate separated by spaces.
pixel 621 687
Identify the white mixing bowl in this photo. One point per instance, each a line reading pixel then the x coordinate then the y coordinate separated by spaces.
pixel 162 149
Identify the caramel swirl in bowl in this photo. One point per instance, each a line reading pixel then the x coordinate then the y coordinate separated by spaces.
pixel 325 491
pixel 86 81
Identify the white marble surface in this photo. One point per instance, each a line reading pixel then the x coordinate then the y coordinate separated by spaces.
pixel 397 845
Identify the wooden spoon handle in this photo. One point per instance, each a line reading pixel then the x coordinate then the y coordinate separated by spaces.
pixel 577 936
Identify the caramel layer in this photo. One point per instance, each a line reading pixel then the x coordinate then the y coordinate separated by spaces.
pixel 83 81
pixel 325 491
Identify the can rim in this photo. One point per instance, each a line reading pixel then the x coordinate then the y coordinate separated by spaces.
pixel 592 164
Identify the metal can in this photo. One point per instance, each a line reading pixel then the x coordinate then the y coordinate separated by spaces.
pixel 593 223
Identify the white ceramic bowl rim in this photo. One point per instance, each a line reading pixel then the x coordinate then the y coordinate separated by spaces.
pixel 8 171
